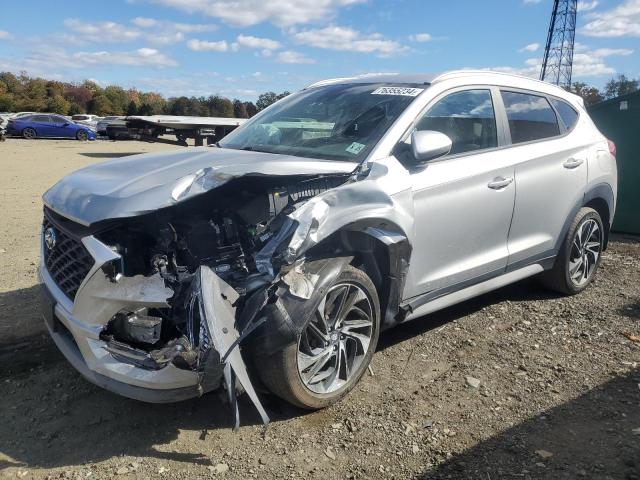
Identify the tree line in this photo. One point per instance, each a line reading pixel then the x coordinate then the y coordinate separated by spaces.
pixel 33 94
pixel 620 85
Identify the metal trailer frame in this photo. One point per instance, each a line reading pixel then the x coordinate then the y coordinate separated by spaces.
pixel 201 129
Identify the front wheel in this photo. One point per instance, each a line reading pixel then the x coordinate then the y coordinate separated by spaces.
pixel 579 256
pixel 29 133
pixel 82 135
pixel 334 348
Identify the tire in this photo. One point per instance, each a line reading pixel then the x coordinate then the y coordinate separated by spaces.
pixel 280 372
pixel 579 256
pixel 82 135
pixel 29 133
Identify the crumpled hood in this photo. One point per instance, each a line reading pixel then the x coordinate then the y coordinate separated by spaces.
pixel 139 184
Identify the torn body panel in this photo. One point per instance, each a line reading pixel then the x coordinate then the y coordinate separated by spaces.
pixel 235 265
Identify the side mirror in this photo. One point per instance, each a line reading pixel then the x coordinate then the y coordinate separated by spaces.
pixel 429 144
pixel 66 124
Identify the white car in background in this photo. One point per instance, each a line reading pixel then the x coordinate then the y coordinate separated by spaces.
pixel 101 127
pixel 88 120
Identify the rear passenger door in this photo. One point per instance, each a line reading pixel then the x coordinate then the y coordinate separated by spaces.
pixel 550 173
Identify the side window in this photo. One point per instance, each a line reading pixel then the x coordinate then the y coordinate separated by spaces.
pixel 530 117
pixel 568 115
pixel 466 117
pixel 57 120
pixel 40 118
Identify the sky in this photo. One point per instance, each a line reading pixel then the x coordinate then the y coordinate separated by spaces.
pixel 241 48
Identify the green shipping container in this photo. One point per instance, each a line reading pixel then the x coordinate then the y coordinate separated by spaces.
pixel 619 120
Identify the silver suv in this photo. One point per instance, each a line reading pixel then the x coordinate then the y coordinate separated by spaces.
pixel 279 254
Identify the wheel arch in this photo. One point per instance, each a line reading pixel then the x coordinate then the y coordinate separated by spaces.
pixel 600 198
pixel 382 250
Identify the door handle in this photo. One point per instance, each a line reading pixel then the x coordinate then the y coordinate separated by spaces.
pixel 573 163
pixel 499 183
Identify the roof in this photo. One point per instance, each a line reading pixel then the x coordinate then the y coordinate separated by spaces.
pixel 472 76
pixel 416 78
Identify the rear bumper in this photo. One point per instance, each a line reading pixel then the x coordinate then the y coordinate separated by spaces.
pixel 75 329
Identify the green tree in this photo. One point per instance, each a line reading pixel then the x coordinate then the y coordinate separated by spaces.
pixel 589 94
pixel 621 85
pixel 58 104
pixel 100 105
pixel 132 109
pixel 239 109
pixel 118 98
pixel 268 98
pixel 6 102
pixel 251 109
pixel 34 94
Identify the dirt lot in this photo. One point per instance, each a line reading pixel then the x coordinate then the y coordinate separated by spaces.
pixel 516 384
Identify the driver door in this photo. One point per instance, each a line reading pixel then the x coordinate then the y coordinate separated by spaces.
pixel 61 127
pixel 463 202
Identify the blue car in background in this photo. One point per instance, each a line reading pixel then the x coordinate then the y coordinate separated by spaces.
pixel 43 125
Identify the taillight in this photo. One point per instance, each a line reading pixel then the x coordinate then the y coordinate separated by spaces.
pixel 612 148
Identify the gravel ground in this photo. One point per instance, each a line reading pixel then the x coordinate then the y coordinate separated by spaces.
pixel 519 383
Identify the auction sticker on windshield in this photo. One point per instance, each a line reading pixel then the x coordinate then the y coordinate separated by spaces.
pixel 355 148
pixel 402 91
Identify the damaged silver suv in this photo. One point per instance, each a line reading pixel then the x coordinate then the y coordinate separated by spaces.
pixel 279 254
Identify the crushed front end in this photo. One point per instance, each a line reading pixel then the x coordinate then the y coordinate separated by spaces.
pixel 156 307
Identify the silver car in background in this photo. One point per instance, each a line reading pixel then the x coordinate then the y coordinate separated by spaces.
pixel 281 253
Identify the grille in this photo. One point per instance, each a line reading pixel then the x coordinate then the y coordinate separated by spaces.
pixel 68 262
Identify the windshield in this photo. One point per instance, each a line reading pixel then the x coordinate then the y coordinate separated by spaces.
pixel 333 122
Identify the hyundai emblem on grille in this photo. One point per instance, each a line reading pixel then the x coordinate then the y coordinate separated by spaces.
pixel 50 238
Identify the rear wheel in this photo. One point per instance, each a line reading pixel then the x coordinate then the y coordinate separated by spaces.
pixel 334 348
pixel 29 133
pixel 579 256
pixel 82 135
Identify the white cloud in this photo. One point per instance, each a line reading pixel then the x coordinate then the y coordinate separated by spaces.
pixel 166 39
pixel 586 63
pixel 421 37
pixel 251 12
pixel 144 22
pixel 147 57
pixel 4 35
pixel 587 5
pixel 205 46
pixel 257 42
pixel 621 21
pixel 532 47
pixel 102 32
pixel 194 27
pixel 293 57
pixel 335 37
pixel 531 2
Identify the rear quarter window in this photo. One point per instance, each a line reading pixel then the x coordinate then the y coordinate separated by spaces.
pixel 530 117
pixel 567 113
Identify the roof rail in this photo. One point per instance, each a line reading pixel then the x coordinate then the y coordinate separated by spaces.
pixel 464 73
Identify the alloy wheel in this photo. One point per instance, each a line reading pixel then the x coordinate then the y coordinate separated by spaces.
pixel 336 340
pixel 585 251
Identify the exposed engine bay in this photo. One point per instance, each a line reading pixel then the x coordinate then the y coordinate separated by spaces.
pixel 223 231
